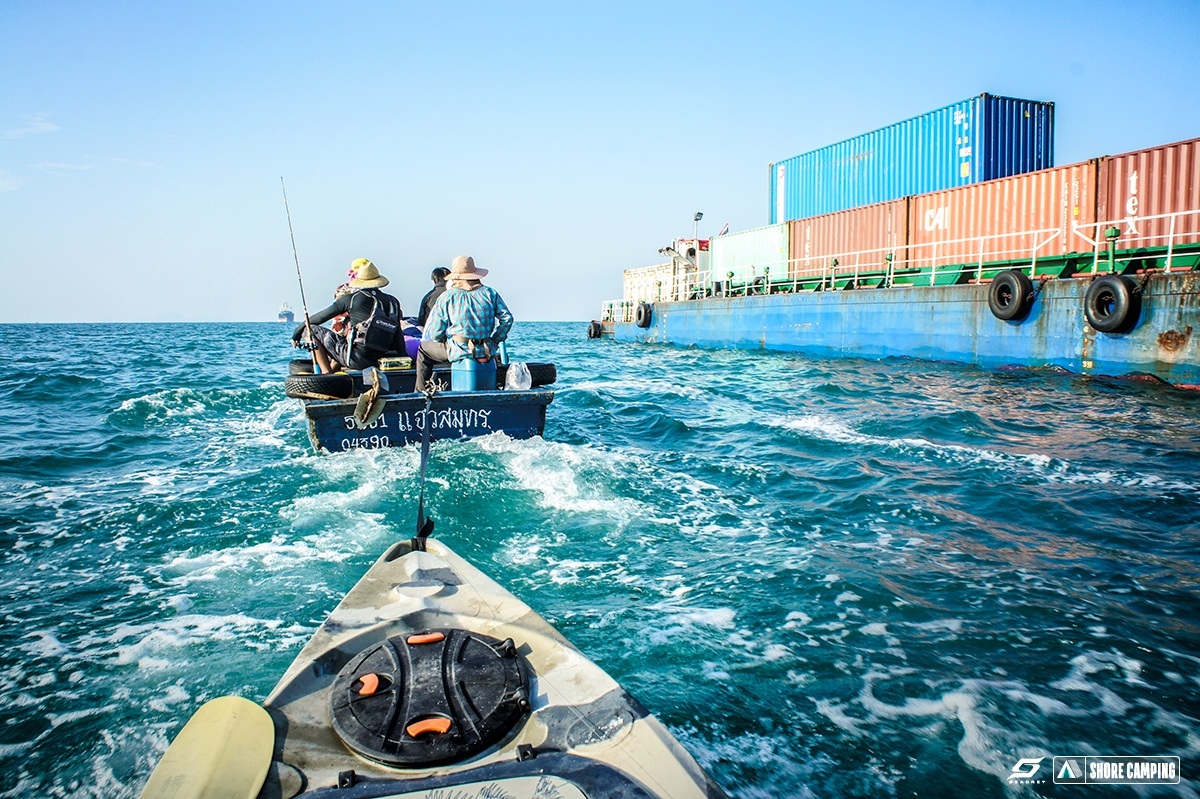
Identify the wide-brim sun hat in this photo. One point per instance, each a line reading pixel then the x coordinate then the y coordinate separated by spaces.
pixel 366 275
pixel 463 268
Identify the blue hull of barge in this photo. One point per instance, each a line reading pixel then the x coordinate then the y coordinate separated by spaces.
pixel 453 415
pixel 948 323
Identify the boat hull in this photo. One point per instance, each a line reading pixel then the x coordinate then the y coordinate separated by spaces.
pixel 452 415
pixel 948 323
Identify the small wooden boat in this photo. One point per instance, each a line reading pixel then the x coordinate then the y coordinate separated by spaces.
pixel 378 408
pixel 430 680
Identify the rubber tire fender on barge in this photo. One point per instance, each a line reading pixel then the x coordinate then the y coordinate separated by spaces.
pixel 594 329
pixel 644 315
pixel 1112 304
pixel 1011 295
pixel 334 386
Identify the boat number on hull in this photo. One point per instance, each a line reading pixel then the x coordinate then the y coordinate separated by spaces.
pixel 367 442
pixel 461 420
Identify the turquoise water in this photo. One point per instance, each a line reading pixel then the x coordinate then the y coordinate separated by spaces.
pixel 828 578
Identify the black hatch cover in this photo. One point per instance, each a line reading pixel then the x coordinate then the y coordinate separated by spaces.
pixel 429 698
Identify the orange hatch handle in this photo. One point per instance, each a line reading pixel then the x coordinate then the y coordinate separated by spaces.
pixel 370 684
pixel 425 638
pixel 436 725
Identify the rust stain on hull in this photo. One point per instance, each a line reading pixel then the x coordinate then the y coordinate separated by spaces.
pixel 1173 340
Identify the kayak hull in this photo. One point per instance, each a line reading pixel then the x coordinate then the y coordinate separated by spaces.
pixel 583 735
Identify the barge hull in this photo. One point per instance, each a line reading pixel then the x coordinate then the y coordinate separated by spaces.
pixel 947 323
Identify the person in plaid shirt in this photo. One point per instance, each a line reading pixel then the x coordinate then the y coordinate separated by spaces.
pixel 468 321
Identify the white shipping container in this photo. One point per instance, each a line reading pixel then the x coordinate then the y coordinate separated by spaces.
pixel 750 254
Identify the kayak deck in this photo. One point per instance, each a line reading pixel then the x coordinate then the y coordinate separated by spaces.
pixel 582 735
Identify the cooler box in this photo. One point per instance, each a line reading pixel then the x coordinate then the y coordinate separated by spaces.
pixel 471 375
pixel 395 364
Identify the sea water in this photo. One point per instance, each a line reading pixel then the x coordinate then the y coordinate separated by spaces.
pixel 828 578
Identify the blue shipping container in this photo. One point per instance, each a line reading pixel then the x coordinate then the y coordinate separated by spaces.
pixel 978 139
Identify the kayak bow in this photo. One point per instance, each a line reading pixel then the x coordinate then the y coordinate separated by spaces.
pixel 429 676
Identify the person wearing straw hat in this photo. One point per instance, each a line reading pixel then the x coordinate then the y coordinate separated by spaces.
pixel 468 321
pixel 373 328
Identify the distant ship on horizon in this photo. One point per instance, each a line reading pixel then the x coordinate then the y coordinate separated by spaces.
pixel 285 314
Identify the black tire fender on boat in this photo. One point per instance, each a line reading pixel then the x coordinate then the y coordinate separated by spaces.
pixel 335 386
pixel 1011 295
pixel 300 366
pixel 644 315
pixel 594 329
pixel 540 374
pixel 1112 304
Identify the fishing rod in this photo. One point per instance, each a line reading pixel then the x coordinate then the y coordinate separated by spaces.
pixel 300 279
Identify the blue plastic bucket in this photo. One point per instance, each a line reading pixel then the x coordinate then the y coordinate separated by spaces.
pixel 471 375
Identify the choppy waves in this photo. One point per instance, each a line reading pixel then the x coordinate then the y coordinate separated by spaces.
pixel 829 579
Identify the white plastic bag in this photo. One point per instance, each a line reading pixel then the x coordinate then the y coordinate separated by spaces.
pixel 517 378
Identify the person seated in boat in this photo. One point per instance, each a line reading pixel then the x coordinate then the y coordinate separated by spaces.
pixel 414 325
pixel 412 337
pixel 340 323
pixel 438 276
pixel 372 331
pixel 468 321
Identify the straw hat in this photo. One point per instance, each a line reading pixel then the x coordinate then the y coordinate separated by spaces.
pixel 463 268
pixel 366 276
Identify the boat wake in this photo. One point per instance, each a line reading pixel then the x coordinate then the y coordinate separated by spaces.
pixel 1043 467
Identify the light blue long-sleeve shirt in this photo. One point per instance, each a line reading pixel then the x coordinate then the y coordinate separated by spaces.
pixel 476 314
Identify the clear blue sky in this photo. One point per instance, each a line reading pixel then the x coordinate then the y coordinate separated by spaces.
pixel 142 143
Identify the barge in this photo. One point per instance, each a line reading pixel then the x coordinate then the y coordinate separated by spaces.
pixel 1093 268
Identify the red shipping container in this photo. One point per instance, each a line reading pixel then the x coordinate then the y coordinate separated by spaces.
pixel 1152 196
pixel 860 239
pixel 1021 218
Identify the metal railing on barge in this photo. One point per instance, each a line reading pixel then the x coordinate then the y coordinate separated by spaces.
pixel 1161 243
